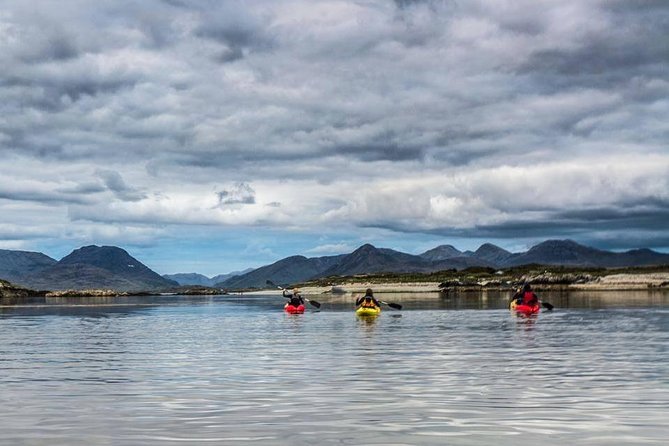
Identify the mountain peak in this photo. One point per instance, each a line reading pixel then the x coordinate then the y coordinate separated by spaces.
pixel 367 247
pixel 95 266
pixel 488 247
pixel 555 243
pixel 491 253
pixel 441 252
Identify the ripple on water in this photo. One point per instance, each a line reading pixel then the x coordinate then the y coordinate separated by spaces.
pixel 243 372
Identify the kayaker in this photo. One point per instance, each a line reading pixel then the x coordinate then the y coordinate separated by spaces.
pixel 294 298
pixel 526 296
pixel 367 300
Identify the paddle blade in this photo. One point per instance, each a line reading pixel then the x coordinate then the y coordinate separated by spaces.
pixel 314 303
pixel 547 306
pixel 391 305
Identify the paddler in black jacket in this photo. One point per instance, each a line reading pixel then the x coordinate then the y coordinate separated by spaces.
pixel 294 298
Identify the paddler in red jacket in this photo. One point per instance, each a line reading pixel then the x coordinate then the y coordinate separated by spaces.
pixel 526 296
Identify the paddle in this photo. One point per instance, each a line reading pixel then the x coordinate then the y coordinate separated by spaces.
pixel 547 306
pixel 312 302
pixel 391 305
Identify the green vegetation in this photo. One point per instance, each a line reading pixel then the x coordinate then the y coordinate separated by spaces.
pixel 478 275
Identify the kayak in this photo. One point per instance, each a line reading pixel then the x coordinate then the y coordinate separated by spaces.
pixel 368 311
pixel 524 309
pixel 288 308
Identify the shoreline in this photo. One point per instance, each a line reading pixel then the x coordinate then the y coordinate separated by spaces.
pixel 541 282
pixel 612 282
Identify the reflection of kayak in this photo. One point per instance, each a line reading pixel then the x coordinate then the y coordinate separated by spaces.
pixel 524 309
pixel 368 311
pixel 293 309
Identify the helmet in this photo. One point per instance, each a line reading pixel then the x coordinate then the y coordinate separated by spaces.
pixel 369 292
pixel 527 287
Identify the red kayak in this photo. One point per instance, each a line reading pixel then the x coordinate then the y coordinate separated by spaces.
pixel 288 308
pixel 524 309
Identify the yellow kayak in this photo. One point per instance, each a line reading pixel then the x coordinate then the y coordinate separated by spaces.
pixel 368 311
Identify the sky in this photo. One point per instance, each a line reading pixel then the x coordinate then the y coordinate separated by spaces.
pixel 212 136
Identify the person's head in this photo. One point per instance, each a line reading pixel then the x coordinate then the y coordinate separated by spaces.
pixel 369 292
pixel 296 290
pixel 527 287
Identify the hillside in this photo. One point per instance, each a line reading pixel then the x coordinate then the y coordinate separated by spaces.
pixel 368 259
pixel 98 267
pixel 16 265
pixel 286 271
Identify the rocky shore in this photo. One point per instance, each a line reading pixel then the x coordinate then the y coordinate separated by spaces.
pixel 540 281
pixel 86 293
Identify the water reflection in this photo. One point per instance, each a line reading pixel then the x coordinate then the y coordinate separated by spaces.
pixel 239 370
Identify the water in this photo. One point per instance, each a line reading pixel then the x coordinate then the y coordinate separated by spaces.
pixel 236 370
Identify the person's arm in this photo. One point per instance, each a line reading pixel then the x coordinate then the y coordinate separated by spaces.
pixel 359 301
pixel 287 296
pixel 376 302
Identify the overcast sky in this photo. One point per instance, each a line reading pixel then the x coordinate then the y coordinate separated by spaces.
pixel 215 135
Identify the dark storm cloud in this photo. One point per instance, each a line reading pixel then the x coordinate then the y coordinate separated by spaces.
pixel 631 45
pixel 347 97
pixel 608 228
pixel 42 196
pixel 236 30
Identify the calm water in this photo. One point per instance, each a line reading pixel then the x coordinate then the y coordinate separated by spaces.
pixel 231 370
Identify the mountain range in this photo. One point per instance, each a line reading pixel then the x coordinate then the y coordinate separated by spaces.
pixel 185 279
pixel 111 267
pixel 369 259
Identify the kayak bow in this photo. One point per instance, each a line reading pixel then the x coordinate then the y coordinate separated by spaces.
pixel 368 311
pixel 523 309
pixel 288 308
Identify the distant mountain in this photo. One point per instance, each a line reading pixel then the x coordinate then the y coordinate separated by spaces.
pixel 189 279
pixel 441 252
pixel 223 277
pixel 560 252
pixel 202 280
pixel 286 271
pixel 16 265
pixel 98 267
pixel 369 259
pixel 568 252
pixel 364 260
pixel 492 254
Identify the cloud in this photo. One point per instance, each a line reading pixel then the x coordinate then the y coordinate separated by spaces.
pixel 464 119
pixel 114 182
pixel 240 193
pixel 331 248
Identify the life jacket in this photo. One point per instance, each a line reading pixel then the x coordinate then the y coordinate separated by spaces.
pixel 529 298
pixel 368 302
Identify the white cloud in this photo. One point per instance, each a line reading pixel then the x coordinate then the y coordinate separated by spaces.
pixel 432 116
pixel 330 249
